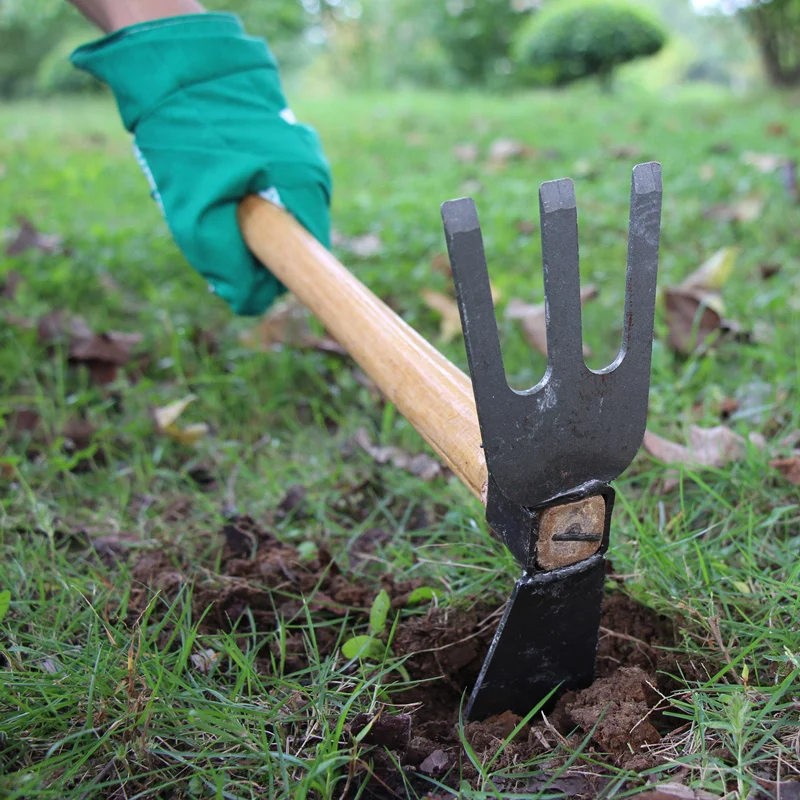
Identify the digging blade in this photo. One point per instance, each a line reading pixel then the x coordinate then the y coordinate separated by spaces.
pixel 548 637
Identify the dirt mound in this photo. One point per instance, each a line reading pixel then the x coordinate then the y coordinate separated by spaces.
pixel 261 579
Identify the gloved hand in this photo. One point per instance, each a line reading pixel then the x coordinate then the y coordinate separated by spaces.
pixel 211 124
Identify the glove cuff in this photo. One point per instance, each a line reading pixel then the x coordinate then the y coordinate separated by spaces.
pixel 145 64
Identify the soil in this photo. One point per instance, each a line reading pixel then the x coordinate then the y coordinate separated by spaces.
pixel 623 708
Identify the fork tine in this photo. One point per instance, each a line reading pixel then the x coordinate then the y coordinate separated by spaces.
pixel 474 294
pixel 559 217
pixel 643 240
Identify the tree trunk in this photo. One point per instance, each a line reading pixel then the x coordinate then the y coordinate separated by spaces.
pixel 775 28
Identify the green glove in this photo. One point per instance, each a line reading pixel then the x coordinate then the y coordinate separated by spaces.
pixel 211 124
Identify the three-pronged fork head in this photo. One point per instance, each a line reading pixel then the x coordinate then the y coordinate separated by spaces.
pixel 577 425
pixel 551 451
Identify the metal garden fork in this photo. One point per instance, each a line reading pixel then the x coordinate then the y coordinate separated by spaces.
pixel 551 451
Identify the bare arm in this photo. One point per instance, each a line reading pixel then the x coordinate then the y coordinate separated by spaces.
pixel 110 15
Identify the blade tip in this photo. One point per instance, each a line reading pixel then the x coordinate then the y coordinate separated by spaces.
pixel 460 216
pixel 557 195
pixel 647 178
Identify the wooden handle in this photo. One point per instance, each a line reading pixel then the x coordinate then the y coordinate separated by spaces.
pixel 429 391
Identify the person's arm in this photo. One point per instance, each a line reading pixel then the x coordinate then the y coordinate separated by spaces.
pixel 111 15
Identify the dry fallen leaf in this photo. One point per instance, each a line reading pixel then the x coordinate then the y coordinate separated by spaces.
pixel 423 466
pixel 435 763
pixel 533 321
pixel 446 307
pixel 28 237
pixel 466 153
pixel 365 246
pixel 503 150
pixel 708 447
pixel 205 662
pixel 714 272
pixel 789 468
pixel 694 307
pixel 288 323
pixel 526 227
pixel 9 284
pixel 748 209
pixel 166 419
pixel 707 172
pixel 763 162
pixel 625 152
pixel 767 271
pixel 690 321
pixel 441 263
pixel 676 791
pixel 100 353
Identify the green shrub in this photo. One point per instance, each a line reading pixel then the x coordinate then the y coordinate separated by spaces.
pixel 575 39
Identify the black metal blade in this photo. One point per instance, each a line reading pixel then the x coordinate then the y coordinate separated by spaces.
pixel 548 636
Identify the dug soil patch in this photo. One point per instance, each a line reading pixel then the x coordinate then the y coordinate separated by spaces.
pixel 260 580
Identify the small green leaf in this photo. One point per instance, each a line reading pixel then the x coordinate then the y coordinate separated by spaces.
pixel 364 647
pixel 307 551
pixel 5 602
pixel 424 594
pixel 379 612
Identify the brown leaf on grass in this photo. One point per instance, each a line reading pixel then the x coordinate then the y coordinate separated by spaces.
pixel 441 263
pixel 789 468
pixel 288 323
pixel 100 353
pixel 767 271
pixel 503 150
pixel 708 447
pixel 694 307
pixel 422 465
pixel 447 308
pixel 748 209
pixel 28 237
pixel 676 791
pixel 78 436
pixel 366 246
pixel 466 153
pixel 782 790
pixel 9 284
pixel 166 420
pixel 707 172
pixel 625 152
pixel 763 162
pixel 526 227
pixel 21 421
pixel 690 321
pixel 533 321
pixel 435 763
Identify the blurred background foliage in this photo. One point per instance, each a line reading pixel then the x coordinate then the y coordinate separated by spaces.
pixel 388 44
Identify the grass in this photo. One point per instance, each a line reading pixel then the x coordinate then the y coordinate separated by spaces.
pixel 104 694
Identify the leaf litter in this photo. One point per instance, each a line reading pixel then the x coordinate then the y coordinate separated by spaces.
pixel 695 309
pixel 101 353
pixel 534 319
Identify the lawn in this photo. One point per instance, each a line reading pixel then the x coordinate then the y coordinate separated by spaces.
pixel 180 596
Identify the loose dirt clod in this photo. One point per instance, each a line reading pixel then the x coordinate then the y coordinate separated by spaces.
pixel 616 710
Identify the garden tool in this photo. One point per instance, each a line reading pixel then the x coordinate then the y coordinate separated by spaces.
pixel 540 460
